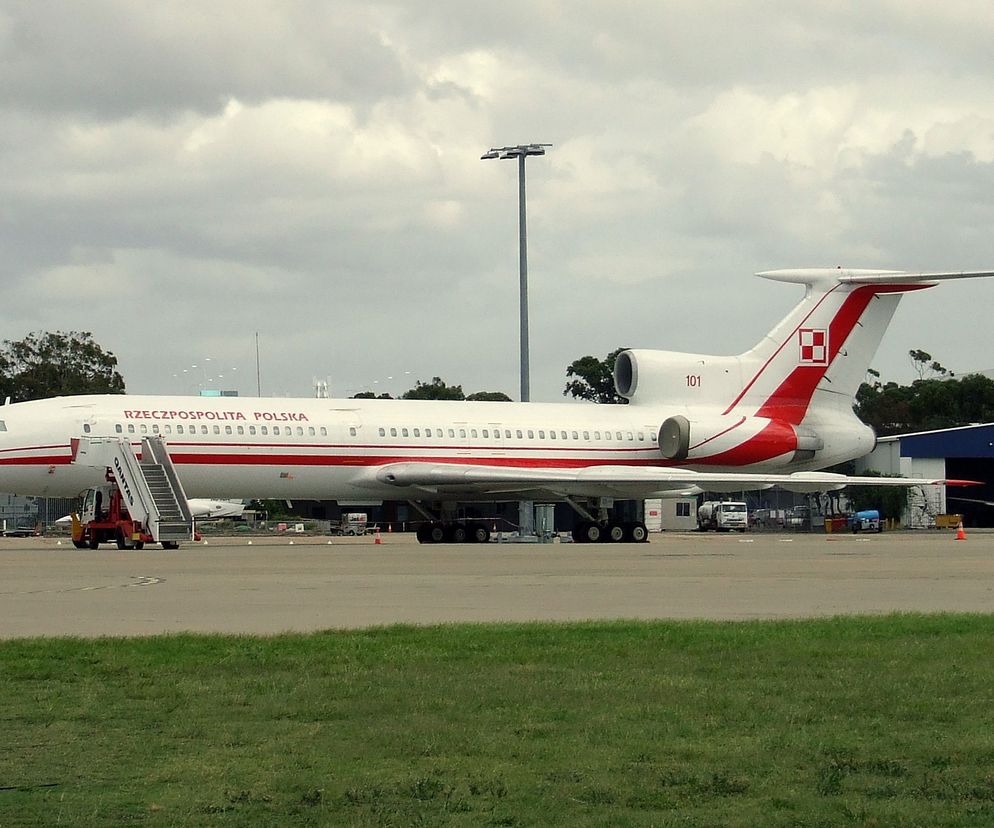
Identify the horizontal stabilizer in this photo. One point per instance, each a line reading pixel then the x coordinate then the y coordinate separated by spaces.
pixel 816 275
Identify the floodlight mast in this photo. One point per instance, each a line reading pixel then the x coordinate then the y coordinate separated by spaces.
pixel 521 152
pixel 526 509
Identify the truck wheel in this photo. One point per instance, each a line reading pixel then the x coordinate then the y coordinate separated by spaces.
pixel 122 542
pixel 80 544
pixel 93 543
pixel 478 533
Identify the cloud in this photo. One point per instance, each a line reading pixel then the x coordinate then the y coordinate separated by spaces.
pixel 178 177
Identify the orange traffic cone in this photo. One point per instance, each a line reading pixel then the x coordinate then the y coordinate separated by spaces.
pixel 376 537
pixel 960 534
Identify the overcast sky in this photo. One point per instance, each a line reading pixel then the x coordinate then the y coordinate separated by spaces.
pixel 178 177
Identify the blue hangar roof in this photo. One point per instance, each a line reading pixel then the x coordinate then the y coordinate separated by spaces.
pixel 967 441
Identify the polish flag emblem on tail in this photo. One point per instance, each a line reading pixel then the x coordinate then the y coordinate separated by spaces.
pixel 814 346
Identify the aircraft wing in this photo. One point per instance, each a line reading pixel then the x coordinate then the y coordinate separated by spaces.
pixel 615 481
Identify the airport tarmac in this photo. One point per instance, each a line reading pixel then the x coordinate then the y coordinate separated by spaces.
pixel 273 585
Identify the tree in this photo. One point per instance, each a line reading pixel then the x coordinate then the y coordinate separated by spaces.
pixel 890 501
pixel 371 395
pixel 925 366
pixel 434 390
pixel 489 396
pixel 594 379
pixel 936 401
pixel 52 364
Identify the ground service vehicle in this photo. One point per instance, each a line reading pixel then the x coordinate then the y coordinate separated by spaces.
pixel 723 515
pixel 866 521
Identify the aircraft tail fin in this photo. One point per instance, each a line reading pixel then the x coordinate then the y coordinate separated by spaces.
pixel 823 347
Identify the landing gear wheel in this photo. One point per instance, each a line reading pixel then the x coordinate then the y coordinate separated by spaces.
pixel 637 533
pixel 478 533
pixel 587 532
pixel 436 533
pixel 614 533
pixel 457 533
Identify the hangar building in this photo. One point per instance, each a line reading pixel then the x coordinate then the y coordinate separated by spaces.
pixel 965 453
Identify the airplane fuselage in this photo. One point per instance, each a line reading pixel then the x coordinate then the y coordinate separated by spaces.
pixel 330 449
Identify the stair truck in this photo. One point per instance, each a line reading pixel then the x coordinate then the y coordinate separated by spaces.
pixel 141 502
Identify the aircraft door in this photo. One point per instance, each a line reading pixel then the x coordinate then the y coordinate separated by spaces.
pixel 462 438
pixel 494 438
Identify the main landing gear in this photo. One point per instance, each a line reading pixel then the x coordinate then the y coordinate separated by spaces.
pixel 592 531
pixel 439 532
pixel 600 522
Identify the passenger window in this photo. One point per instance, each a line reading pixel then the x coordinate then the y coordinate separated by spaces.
pixel 241 429
pixel 251 429
pixel 118 429
pixel 300 431
pixel 131 428
pixel 227 429
pixel 324 431
pixel 486 432
pixel 452 433
pixel 576 435
pixel 167 428
pixel 472 432
pixel 631 436
pixel 507 433
pixel 641 436
pixel 352 431
pixel 417 432
pixel 531 434
pixel 276 430
pixel 541 435
pixel 203 429
pixel 310 431
pixel 562 434
pixel 617 435
pixel 264 429
pixel 216 429
pixel 142 428
pixel 597 435
pixel 86 427
pixel 462 433
pixel 519 434
pixel 404 433
pixel 179 429
pixel 393 432
pixel 438 432
pixel 552 435
pixel 586 435
pixel 155 428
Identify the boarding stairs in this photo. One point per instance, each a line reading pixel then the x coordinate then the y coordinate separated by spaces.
pixel 150 487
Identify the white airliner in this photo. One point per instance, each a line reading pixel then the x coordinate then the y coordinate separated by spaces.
pixel 770 416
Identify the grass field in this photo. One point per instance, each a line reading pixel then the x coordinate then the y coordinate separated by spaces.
pixel 852 721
